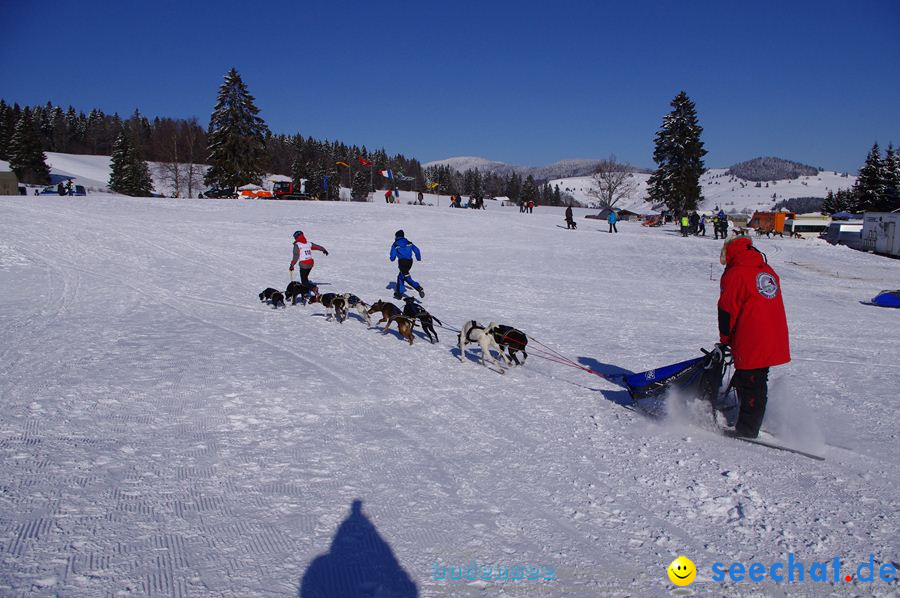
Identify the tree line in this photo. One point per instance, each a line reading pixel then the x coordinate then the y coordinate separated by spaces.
pixel 877 187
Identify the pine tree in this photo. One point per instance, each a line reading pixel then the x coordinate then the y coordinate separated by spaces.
pixel 26 158
pixel 891 181
pixel 5 132
pixel 869 188
pixel 557 198
pixel 315 174
pixel 830 206
pixel 237 152
pixel 360 188
pixel 129 174
pixel 298 166
pixel 530 190
pixel 678 154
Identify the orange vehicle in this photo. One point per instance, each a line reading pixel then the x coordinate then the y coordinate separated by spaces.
pixel 772 222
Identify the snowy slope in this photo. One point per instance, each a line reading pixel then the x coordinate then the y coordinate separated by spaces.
pixel 93 172
pixel 165 433
pixel 723 190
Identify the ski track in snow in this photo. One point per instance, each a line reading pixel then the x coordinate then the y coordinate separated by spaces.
pixel 165 433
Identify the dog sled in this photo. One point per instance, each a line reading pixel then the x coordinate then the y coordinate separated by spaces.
pixel 700 378
pixel 653 221
pixel 885 299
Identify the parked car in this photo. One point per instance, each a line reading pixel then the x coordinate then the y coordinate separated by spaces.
pixel 220 193
pixel 54 190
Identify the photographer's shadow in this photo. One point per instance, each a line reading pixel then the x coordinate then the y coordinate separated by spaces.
pixel 359 564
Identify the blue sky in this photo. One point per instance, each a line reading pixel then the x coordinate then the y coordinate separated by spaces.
pixel 521 82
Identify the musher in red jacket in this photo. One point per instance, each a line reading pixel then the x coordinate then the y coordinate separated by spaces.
pixel 753 323
pixel 303 253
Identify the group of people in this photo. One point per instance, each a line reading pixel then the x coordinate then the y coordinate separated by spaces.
pixel 526 207
pixel 475 203
pixel 695 224
pixel 751 315
pixel 67 188
pixel 402 251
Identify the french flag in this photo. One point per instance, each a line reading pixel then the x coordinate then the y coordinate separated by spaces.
pixel 388 174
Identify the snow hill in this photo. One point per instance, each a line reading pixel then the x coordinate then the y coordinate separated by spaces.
pixel 164 433
pixel 563 168
pixel 720 189
pixel 93 172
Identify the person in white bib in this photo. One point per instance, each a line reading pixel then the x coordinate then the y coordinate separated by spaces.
pixel 303 253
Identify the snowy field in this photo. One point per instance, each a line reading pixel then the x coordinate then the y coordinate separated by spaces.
pixel 164 433
pixel 722 190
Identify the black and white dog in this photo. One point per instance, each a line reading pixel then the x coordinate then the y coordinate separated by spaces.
pixel 414 311
pixel 333 304
pixel 298 292
pixel 267 294
pixel 277 299
pixel 273 296
pixel 353 302
pixel 511 339
pixel 473 332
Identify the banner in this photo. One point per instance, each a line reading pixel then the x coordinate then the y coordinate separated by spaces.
pixel 363 161
pixel 344 164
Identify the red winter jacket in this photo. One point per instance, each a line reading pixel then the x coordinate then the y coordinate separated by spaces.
pixel 751 310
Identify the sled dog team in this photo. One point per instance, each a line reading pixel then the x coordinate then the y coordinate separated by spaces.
pixel 493 336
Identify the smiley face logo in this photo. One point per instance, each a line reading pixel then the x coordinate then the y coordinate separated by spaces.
pixel 682 571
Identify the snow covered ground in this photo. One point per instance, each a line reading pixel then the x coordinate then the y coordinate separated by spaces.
pixel 164 433
pixel 730 193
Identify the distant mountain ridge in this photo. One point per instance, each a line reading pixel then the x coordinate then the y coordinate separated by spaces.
pixel 771 169
pixel 758 169
pixel 557 170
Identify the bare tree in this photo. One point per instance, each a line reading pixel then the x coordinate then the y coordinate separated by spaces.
pixel 615 180
pixel 193 153
pixel 170 168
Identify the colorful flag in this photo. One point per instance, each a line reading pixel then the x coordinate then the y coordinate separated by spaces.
pixel 431 185
pixel 388 174
pixel 363 161
pixel 344 164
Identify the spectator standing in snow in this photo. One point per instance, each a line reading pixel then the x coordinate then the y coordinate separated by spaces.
pixel 703 225
pixel 403 250
pixel 685 225
pixel 303 253
pixel 753 323
pixel 695 223
pixel 570 220
pixel 612 219
pixel 530 206
pixel 723 224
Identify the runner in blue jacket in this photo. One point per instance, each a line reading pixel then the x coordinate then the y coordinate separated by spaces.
pixel 403 250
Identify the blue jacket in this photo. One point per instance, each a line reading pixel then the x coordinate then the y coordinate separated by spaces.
pixel 612 218
pixel 404 249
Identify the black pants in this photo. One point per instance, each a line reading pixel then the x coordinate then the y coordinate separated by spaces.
pixel 752 388
pixel 304 275
pixel 612 227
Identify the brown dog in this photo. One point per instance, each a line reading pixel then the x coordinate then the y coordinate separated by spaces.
pixel 388 310
pixel 391 313
pixel 404 325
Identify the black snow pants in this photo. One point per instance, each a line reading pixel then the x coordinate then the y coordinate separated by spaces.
pixel 752 388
